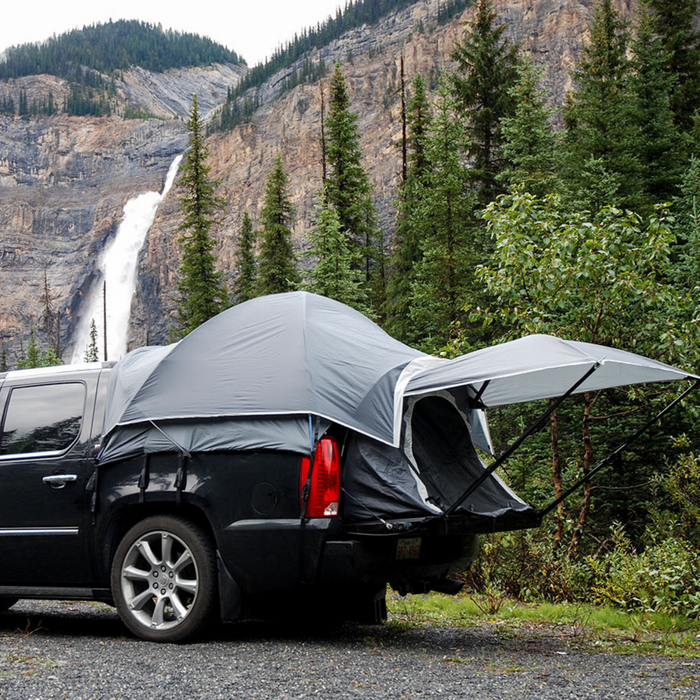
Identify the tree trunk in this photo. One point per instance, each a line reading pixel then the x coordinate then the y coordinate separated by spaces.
pixel 556 475
pixel 587 459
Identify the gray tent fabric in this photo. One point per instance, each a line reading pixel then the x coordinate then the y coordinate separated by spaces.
pixel 282 355
pixel 541 367
pixel 434 465
pixel 290 433
pixel 282 358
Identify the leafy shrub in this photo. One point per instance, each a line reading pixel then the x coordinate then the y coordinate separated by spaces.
pixel 524 566
pixel 665 577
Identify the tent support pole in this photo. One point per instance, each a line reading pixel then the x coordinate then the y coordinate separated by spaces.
pixel 479 394
pixel 616 454
pixel 534 428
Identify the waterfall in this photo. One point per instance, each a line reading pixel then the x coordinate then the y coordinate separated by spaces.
pixel 117 266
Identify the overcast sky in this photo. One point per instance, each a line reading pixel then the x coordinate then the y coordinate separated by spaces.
pixel 252 28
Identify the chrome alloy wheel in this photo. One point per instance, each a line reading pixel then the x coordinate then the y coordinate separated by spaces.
pixel 159 580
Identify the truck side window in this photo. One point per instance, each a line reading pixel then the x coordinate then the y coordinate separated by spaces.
pixel 44 418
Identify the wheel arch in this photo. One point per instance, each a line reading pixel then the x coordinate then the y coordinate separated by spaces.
pixel 125 517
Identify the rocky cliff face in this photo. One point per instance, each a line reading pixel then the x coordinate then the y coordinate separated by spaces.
pixel 63 185
pixel 169 94
pixel 165 95
pixel 64 181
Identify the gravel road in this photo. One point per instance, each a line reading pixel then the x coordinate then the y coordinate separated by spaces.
pixel 81 651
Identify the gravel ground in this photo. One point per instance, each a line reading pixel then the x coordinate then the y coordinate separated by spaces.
pixel 81 651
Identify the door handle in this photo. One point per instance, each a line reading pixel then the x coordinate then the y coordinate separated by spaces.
pixel 58 481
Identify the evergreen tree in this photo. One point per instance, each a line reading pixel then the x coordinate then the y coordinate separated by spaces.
pixel 23 109
pixel 659 142
pixel 32 358
pixel 277 270
pixel 202 289
pixel 674 22
pixel 246 262
pixel 92 353
pixel 48 313
pixel 529 145
pixel 451 245
pixel 3 361
pixel 407 251
pixel 418 119
pixel 36 356
pixel 348 188
pixel 599 114
pixel 687 205
pixel 333 274
pixel 486 72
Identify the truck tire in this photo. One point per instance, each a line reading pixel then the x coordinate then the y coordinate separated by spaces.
pixel 164 580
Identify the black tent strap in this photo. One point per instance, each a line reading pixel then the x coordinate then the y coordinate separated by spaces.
pixel 616 454
pixel 386 524
pixel 306 489
pixel 534 428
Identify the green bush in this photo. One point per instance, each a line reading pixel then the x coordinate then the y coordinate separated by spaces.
pixel 665 577
pixel 662 574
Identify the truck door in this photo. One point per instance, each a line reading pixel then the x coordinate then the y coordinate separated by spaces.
pixel 44 467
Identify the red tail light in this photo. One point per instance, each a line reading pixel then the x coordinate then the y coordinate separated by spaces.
pixel 324 491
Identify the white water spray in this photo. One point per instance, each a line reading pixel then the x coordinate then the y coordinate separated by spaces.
pixel 117 265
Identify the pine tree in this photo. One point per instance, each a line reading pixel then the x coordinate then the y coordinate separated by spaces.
pixel 451 245
pixel 36 356
pixel 348 188
pixel 687 205
pixel 486 71
pixel 659 149
pixel 246 262
pixel 407 251
pixel 92 353
pixel 277 270
pixel 599 114
pixel 3 361
pixel 333 274
pixel 23 109
pixel 48 313
pixel 32 357
pixel 528 141
pixel 202 289
pixel 674 22
pixel 418 118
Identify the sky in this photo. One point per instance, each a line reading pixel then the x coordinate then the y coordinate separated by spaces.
pixel 251 28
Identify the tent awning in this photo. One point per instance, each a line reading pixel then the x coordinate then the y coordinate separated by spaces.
pixel 541 367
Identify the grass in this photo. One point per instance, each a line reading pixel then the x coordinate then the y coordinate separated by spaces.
pixel 589 627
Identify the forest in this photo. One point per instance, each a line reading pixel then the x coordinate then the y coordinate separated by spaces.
pixel 112 46
pixel 90 58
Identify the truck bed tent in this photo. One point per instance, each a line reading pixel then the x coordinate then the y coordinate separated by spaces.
pixel 275 371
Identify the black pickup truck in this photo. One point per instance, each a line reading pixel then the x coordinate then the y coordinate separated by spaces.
pixel 178 541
